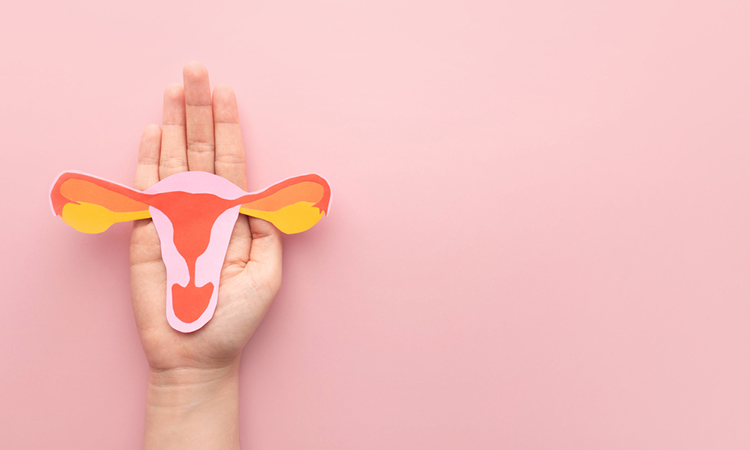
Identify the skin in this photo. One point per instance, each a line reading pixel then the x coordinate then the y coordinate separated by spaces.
pixel 192 399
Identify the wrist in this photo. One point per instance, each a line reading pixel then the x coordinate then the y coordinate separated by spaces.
pixel 187 407
pixel 192 380
pixel 184 386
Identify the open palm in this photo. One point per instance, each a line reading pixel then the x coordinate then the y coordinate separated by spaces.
pixel 201 132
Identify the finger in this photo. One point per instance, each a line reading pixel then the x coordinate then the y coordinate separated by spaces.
pixel 199 118
pixel 147 171
pixel 238 252
pixel 229 161
pixel 173 157
pixel 146 268
pixel 265 253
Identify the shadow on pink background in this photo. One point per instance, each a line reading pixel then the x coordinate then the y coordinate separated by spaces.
pixel 540 236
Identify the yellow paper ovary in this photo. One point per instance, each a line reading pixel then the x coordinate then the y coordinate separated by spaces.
pixel 290 219
pixel 92 219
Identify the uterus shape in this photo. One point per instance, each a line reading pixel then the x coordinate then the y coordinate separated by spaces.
pixel 194 214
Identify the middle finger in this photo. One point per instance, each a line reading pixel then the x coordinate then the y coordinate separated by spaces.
pixel 199 119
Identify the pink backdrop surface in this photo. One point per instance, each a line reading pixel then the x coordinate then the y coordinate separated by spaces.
pixel 540 234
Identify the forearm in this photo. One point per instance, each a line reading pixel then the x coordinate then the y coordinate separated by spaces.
pixel 193 409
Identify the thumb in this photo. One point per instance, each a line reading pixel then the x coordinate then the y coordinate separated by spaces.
pixel 265 255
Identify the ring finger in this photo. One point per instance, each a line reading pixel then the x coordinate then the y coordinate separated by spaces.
pixel 173 158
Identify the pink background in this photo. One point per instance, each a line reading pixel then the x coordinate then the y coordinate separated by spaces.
pixel 539 237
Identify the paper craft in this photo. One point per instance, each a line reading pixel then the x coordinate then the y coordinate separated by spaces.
pixel 194 214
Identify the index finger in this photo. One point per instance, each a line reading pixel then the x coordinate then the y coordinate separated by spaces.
pixel 230 153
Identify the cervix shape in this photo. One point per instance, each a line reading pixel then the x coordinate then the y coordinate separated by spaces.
pixel 194 214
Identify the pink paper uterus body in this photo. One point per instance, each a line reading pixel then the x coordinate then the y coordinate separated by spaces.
pixel 194 215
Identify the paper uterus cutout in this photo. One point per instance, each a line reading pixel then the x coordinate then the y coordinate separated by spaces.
pixel 194 214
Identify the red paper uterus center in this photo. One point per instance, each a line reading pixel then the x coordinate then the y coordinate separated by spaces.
pixel 193 217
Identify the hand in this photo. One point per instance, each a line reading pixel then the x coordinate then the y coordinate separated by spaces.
pixel 199 133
